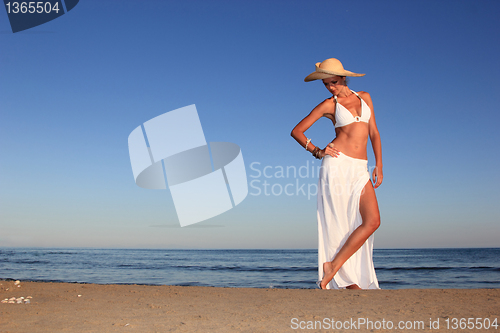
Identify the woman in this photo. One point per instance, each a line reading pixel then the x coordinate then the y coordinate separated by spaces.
pixel 348 212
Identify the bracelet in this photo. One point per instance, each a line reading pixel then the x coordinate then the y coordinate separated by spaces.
pixel 315 152
pixel 307 142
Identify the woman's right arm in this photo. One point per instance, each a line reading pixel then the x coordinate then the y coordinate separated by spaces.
pixel 304 124
pixel 298 131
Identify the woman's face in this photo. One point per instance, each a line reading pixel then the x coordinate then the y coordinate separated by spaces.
pixel 334 84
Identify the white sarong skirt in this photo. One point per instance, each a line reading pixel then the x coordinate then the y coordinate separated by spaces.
pixel 341 182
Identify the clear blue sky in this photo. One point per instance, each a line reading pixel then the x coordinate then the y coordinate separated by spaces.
pixel 73 89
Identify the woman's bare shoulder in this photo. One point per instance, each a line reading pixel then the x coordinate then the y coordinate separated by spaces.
pixel 364 95
pixel 325 107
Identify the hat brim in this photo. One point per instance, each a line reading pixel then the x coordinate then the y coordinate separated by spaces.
pixel 320 76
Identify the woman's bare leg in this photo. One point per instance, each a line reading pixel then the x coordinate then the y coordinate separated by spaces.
pixel 353 286
pixel 368 207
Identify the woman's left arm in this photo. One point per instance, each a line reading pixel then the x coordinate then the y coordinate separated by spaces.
pixel 377 175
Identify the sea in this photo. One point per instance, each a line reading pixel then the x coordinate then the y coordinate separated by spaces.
pixel 292 269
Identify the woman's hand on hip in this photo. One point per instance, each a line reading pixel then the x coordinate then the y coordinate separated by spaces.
pixel 330 150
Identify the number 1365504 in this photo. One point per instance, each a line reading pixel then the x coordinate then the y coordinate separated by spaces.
pixel 32 7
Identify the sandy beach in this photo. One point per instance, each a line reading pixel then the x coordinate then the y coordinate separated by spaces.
pixel 72 307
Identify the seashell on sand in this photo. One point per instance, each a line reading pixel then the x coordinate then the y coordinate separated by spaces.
pixel 19 300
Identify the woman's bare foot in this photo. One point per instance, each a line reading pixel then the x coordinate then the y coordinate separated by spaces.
pixel 353 286
pixel 328 274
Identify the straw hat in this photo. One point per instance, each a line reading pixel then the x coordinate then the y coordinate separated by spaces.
pixel 329 68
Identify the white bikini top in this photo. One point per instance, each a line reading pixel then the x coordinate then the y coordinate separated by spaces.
pixel 344 117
